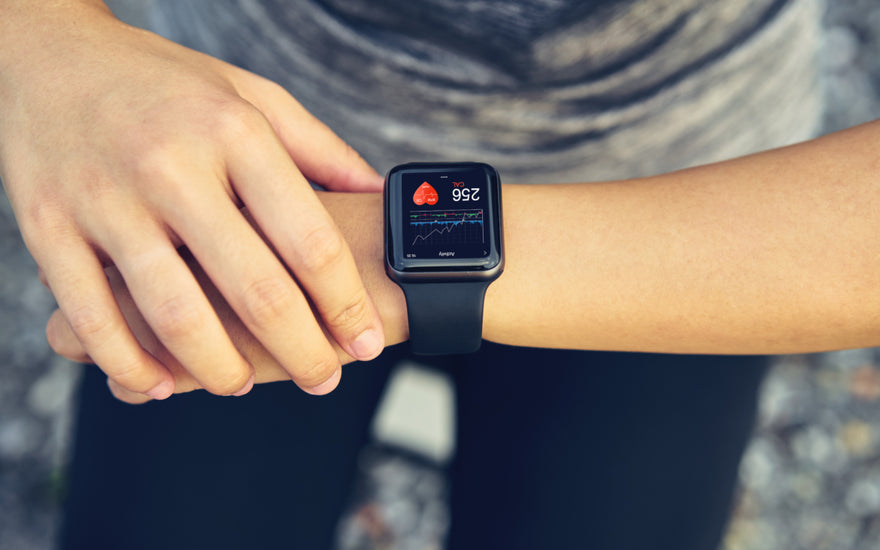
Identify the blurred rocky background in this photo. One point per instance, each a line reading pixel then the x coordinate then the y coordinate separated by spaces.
pixel 809 480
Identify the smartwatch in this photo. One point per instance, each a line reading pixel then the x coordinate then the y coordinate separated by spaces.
pixel 443 247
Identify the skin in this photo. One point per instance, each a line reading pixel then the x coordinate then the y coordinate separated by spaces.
pixel 118 147
pixel 767 254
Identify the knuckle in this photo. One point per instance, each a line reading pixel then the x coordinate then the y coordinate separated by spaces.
pixel 272 89
pixel 91 325
pixel 176 318
pixel 47 221
pixel 227 382
pixel 157 163
pixel 267 301
pixel 236 120
pixel 321 248
pixel 317 371
pixel 94 329
pixel 352 315
pixel 46 215
pixel 131 375
pixel 96 187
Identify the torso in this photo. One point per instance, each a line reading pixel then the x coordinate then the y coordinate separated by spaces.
pixel 546 90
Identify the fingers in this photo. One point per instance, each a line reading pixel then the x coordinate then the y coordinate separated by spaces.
pixel 307 239
pixel 267 369
pixel 77 279
pixel 167 295
pixel 315 149
pixel 171 302
pixel 65 343
pixel 259 289
pixel 309 242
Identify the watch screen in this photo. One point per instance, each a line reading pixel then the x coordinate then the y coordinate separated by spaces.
pixel 444 214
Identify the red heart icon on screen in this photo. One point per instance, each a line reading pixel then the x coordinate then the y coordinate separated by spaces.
pixel 425 194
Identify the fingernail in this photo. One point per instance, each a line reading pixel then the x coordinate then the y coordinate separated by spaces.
pixel 328 385
pixel 247 387
pixel 163 390
pixel 367 345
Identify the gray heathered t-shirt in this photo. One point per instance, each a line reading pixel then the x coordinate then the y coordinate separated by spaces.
pixel 545 90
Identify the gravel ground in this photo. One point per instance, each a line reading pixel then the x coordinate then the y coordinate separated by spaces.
pixel 809 480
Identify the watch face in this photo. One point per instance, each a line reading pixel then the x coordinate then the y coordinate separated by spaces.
pixel 443 216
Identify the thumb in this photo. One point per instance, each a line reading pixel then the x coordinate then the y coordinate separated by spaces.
pixel 322 156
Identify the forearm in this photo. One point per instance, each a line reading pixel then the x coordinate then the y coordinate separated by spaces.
pixel 773 253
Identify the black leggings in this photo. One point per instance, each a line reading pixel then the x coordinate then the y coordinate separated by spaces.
pixel 555 449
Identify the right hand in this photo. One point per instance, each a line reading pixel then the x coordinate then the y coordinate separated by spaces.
pixel 117 147
pixel 360 218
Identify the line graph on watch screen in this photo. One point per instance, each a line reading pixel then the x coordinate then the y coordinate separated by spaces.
pixel 447 228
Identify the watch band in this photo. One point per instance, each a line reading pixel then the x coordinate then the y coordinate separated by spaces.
pixel 445 318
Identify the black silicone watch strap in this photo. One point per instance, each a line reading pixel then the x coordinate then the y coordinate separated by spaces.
pixel 445 318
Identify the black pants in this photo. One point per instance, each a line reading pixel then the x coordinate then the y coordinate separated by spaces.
pixel 556 449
